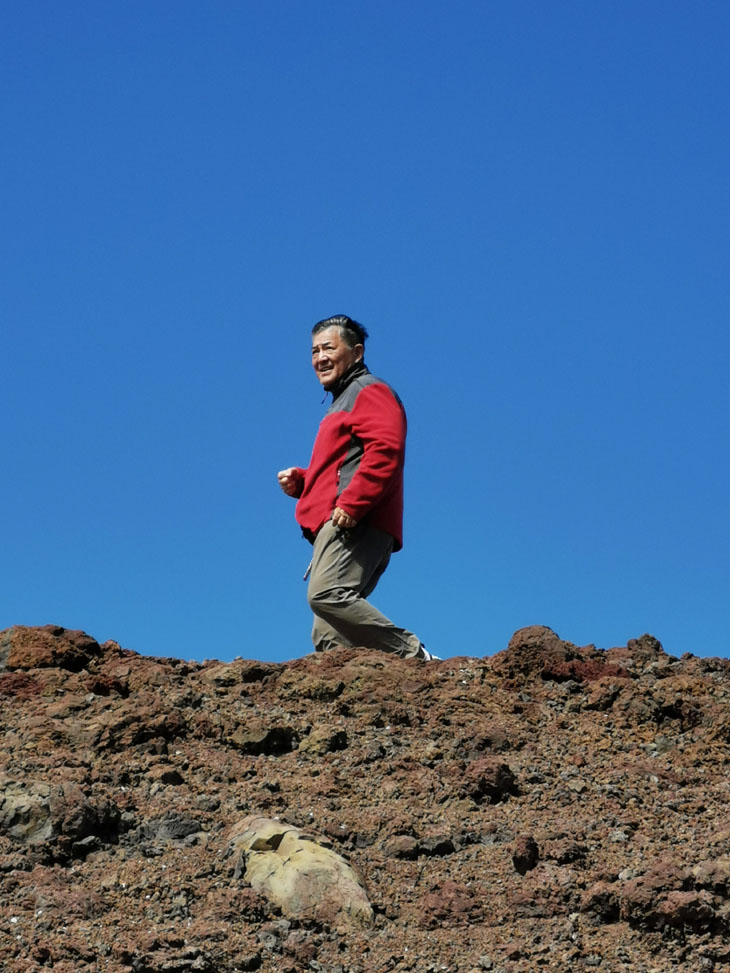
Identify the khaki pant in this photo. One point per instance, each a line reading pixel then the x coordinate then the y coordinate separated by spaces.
pixel 346 566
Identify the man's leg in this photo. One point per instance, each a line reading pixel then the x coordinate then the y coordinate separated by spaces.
pixel 325 637
pixel 346 567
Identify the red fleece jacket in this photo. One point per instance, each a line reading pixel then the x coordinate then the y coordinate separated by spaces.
pixel 358 457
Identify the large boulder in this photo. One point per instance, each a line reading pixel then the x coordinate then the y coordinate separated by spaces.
pixel 531 650
pixel 297 872
pixel 26 647
pixel 25 814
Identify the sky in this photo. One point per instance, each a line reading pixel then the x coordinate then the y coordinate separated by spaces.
pixel 528 206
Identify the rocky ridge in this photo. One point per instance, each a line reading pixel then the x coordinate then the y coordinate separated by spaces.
pixel 551 807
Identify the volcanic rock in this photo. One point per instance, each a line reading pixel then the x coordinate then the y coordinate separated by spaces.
pixel 25 813
pixel 554 807
pixel 299 873
pixel 525 854
pixel 32 648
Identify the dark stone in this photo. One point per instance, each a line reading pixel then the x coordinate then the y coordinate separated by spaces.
pixel 171 826
pixel 271 740
pixel 525 854
pixel 489 779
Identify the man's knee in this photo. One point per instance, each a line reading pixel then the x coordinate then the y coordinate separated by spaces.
pixel 329 602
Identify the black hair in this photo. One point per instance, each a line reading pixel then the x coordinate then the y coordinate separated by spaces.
pixel 351 331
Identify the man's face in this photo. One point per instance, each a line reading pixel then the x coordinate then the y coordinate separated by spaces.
pixel 332 356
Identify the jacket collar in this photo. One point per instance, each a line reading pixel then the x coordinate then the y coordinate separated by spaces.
pixel 353 372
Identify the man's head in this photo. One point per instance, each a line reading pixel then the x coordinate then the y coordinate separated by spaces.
pixel 337 343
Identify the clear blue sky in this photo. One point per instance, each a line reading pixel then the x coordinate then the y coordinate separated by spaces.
pixel 527 204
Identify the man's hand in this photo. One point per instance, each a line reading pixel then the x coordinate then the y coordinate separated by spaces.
pixel 342 519
pixel 290 481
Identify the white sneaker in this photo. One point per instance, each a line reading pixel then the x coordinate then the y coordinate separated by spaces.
pixel 429 656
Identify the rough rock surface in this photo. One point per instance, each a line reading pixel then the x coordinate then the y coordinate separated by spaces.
pixel 298 872
pixel 552 807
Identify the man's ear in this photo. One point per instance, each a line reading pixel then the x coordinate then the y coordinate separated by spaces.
pixel 359 352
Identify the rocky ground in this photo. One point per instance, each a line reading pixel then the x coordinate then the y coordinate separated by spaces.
pixel 552 807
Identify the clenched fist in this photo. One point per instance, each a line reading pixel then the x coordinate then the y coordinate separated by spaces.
pixel 290 481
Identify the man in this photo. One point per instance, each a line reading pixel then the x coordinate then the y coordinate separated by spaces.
pixel 350 497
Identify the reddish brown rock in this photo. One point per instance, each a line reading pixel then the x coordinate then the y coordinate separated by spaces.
pixel 489 779
pixel 531 649
pixel 583 670
pixel 602 901
pixel 665 896
pixel 402 846
pixel 713 875
pixel 639 654
pixel 122 776
pixel 449 903
pixel 525 854
pixel 75 816
pixel 19 685
pixel 262 738
pixel 23 647
pixel 693 909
